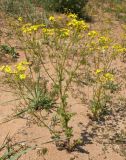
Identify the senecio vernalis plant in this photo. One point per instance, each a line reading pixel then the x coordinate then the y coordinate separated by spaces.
pixel 59 51
pixel 104 52
pixel 60 46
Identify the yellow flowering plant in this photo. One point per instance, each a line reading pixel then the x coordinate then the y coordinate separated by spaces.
pixel 103 53
pixel 55 43
pixel 101 95
pixel 68 50
pixel 18 77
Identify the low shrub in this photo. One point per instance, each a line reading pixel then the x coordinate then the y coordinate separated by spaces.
pixel 73 6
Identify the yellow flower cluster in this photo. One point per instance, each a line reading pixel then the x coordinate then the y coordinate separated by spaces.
pixel 109 77
pixel 72 16
pixel 28 28
pixel 92 34
pixel 18 72
pixel 52 18
pixel 104 77
pixel 103 41
pixel 73 23
pixel 21 67
pixel 78 24
pixel 6 69
pixel 48 32
pixel 98 71
pixel 119 49
pixel 64 33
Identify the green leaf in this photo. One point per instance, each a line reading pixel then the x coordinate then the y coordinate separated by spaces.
pixel 19 154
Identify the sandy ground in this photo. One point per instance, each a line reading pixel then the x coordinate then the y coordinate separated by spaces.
pixel 95 147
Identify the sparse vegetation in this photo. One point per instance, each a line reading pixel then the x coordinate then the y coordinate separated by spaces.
pixel 61 59
pixel 11 151
pixel 8 50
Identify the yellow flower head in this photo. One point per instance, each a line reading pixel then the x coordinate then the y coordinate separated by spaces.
pixel 52 18
pixel 7 69
pixel 20 19
pixel 98 71
pixel 109 76
pixel 92 34
pixel 64 32
pixel 20 67
pixel 26 28
pixel 72 15
pixel 22 76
